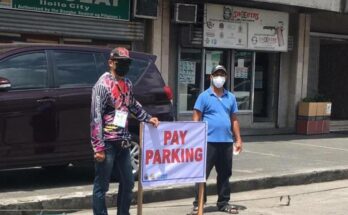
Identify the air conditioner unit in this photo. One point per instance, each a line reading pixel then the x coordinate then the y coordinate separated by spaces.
pixel 145 9
pixel 185 13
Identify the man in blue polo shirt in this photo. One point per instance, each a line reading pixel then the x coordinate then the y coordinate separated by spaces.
pixel 218 107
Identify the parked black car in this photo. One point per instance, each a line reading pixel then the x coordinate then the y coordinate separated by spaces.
pixel 45 97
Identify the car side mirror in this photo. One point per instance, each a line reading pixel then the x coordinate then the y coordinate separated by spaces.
pixel 5 84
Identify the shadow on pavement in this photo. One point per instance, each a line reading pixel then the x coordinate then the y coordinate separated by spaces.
pixel 33 178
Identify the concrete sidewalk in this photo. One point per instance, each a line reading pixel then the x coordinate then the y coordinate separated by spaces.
pixel 266 162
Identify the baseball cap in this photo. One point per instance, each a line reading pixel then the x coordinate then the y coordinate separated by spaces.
pixel 218 68
pixel 119 53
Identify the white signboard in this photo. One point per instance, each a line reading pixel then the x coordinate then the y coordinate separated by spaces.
pixel 187 72
pixel 174 153
pixel 245 28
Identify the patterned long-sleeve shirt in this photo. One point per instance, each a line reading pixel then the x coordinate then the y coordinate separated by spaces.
pixel 109 95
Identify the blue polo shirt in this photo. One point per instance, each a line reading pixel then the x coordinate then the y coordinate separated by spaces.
pixel 217 111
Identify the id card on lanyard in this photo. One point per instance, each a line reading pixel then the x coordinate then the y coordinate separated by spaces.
pixel 120 118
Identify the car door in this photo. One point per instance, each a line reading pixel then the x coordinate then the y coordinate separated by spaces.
pixel 28 126
pixel 75 73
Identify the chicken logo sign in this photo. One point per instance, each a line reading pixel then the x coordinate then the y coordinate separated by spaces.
pixel 174 153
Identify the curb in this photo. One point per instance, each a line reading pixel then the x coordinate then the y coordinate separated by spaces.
pixel 84 200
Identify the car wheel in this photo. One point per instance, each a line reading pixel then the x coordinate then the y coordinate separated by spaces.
pixel 134 152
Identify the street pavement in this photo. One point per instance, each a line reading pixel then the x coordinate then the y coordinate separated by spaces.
pixel 266 162
pixel 325 198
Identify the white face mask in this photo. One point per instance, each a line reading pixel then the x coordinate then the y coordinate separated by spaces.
pixel 219 81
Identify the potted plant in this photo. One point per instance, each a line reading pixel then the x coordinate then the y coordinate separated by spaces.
pixel 314 115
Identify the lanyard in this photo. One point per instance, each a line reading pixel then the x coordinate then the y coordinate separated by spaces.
pixel 122 94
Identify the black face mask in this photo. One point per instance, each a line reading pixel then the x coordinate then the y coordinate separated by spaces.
pixel 122 68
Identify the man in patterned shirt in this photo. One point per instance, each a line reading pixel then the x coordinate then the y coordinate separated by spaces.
pixel 112 100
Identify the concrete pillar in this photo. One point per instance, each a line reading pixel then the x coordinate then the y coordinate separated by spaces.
pixel 293 77
pixel 299 79
pixel 160 38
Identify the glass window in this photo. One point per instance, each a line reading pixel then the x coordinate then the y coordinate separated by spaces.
pixel 212 59
pixel 189 78
pixel 25 71
pixel 75 68
pixel 242 79
pixel 102 63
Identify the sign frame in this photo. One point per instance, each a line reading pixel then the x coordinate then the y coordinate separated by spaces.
pixel 156 141
pixel 64 7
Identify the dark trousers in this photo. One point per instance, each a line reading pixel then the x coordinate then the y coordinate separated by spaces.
pixel 117 162
pixel 219 155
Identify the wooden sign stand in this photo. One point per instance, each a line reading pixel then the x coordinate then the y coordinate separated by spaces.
pixel 200 198
pixel 140 186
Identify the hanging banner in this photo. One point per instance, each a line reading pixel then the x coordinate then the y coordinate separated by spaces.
pixel 227 26
pixel 111 9
pixel 174 153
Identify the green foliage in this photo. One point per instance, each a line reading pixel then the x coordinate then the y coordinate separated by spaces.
pixel 317 98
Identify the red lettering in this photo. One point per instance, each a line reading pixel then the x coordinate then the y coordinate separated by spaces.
pixel 189 155
pixel 182 136
pixel 157 158
pixel 199 154
pixel 175 157
pixel 182 156
pixel 175 139
pixel 178 155
pixel 166 156
pixel 149 155
pixel 167 136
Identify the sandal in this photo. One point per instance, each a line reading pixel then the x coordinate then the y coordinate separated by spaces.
pixel 230 209
pixel 194 211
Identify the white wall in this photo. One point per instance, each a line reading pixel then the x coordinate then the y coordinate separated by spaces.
pixel 160 38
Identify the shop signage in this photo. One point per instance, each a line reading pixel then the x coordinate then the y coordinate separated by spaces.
pixel 173 153
pixel 245 28
pixel 110 9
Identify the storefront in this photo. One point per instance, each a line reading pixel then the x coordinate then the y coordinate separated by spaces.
pixel 249 43
pixel 328 64
pixel 104 23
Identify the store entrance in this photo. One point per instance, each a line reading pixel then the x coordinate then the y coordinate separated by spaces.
pixel 266 87
pixel 255 83
pixel 333 76
pixel 253 77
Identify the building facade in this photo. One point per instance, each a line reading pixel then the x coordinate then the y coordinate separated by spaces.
pixel 102 23
pixel 276 54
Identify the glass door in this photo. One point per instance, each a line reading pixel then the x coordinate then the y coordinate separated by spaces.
pixel 266 86
pixel 189 78
pixel 243 79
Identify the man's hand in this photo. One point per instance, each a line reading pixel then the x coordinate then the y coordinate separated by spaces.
pixel 239 145
pixel 99 156
pixel 154 121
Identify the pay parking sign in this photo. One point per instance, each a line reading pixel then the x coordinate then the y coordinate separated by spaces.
pixel 174 153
